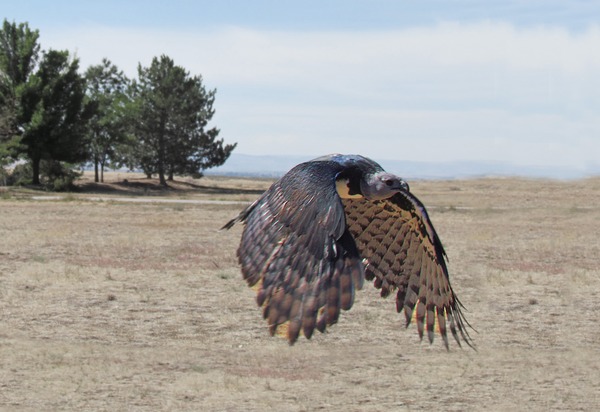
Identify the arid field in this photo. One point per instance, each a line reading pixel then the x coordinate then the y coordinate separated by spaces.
pixel 125 297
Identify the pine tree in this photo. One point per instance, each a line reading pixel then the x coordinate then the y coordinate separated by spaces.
pixel 173 110
pixel 108 126
pixel 19 50
pixel 52 112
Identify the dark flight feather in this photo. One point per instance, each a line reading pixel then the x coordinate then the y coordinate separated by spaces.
pixel 296 242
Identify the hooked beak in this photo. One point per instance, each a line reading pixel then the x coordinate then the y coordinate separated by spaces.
pixel 404 186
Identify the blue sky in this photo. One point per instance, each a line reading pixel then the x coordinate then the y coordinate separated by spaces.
pixel 500 81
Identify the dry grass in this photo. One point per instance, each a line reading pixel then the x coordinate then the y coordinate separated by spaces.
pixel 140 306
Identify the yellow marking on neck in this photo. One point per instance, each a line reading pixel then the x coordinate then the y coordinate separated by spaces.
pixel 341 185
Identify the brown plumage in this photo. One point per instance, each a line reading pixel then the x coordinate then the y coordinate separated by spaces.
pixel 315 235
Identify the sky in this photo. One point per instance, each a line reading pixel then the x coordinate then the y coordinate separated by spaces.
pixel 513 81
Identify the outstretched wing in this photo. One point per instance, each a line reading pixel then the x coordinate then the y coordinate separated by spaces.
pixel 296 248
pixel 403 252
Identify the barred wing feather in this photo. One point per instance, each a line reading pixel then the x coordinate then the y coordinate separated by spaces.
pixel 403 252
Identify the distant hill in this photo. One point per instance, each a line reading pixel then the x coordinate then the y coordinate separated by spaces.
pixel 275 166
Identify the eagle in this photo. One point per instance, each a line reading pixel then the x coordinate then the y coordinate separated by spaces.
pixel 310 241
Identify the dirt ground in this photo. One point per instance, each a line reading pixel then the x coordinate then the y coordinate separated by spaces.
pixel 108 305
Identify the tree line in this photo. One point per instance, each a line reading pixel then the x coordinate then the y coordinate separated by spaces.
pixel 52 117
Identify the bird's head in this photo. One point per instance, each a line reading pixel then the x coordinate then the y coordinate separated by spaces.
pixel 362 177
pixel 382 185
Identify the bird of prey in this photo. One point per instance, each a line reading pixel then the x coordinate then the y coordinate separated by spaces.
pixel 313 237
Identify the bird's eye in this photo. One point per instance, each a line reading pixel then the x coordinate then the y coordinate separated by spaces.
pixel 389 182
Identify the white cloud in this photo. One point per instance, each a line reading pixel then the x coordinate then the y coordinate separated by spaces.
pixel 485 91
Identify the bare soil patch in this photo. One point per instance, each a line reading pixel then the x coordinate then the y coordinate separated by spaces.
pixel 140 306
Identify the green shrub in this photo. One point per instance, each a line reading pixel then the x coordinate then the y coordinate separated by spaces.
pixel 54 176
pixel 21 175
pixel 4 177
pixel 58 176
